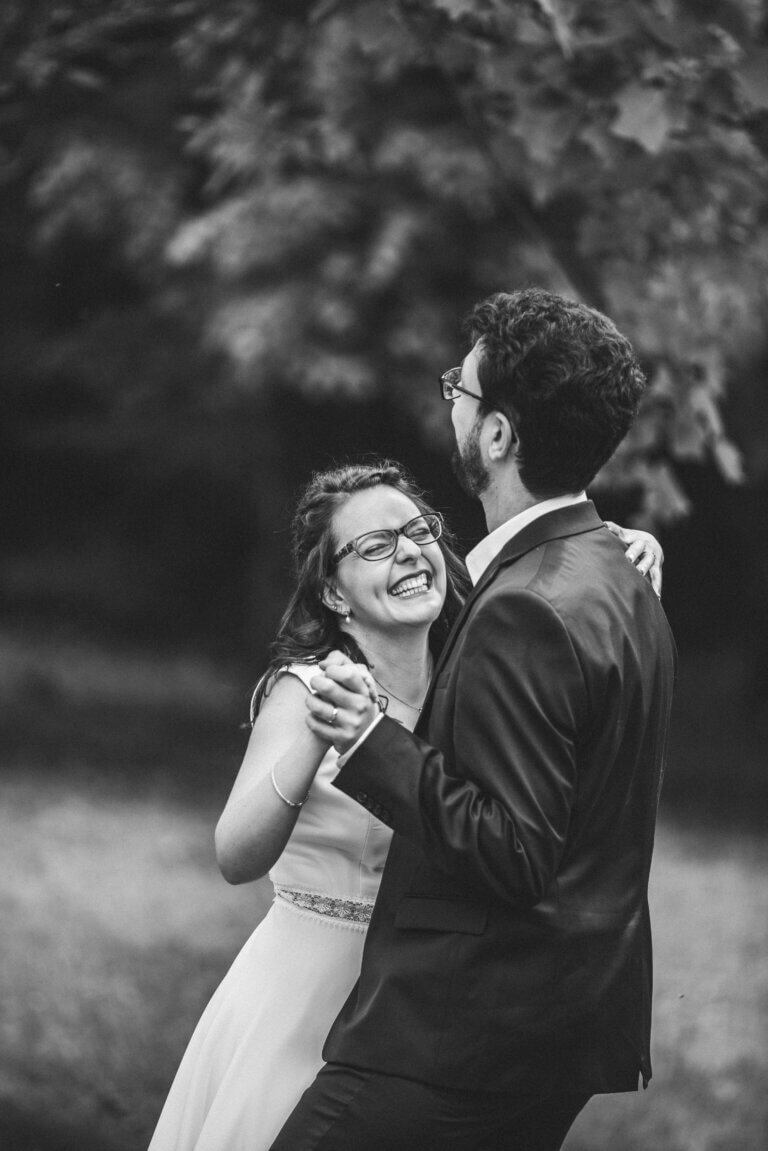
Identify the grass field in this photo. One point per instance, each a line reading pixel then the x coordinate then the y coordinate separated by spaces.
pixel 116 925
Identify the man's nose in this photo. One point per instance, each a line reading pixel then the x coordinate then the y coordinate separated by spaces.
pixel 454 412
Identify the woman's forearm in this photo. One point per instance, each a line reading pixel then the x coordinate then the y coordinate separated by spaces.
pixel 256 822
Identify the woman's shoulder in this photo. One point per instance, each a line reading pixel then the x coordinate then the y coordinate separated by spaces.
pixel 303 670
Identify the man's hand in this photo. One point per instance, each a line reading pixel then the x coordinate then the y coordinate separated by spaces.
pixel 346 702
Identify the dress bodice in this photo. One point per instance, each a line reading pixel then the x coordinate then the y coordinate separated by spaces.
pixel 337 848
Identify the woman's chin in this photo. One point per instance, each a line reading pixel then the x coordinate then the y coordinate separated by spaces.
pixel 420 609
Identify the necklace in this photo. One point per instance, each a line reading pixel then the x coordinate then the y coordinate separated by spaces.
pixel 404 702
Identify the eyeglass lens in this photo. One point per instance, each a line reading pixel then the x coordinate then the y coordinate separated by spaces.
pixel 450 381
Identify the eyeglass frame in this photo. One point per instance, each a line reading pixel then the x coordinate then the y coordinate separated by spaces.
pixel 466 391
pixel 457 388
pixel 352 546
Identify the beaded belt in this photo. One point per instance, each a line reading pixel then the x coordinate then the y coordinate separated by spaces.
pixel 356 910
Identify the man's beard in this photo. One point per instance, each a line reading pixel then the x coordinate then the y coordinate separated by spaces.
pixel 468 466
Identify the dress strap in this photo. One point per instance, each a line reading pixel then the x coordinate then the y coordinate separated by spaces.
pixel 302 671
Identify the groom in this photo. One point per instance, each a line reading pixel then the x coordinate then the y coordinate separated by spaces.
pixel 507 970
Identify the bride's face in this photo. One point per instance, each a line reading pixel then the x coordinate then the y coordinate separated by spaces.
pixel 405 589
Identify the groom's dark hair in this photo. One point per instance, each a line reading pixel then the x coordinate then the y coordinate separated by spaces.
pixel 566 378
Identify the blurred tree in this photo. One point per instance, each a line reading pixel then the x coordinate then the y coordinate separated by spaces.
pixel 211 206
pixel 370 160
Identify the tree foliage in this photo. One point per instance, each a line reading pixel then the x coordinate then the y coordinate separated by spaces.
pixel 308 194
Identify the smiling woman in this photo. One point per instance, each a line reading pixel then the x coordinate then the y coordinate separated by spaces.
pixel 338 509
pixel 381 570
pixel 376 578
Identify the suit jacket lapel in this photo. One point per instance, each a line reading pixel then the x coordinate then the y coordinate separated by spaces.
pixel 569 521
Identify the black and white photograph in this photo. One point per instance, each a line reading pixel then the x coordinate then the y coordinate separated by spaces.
pixel 384 575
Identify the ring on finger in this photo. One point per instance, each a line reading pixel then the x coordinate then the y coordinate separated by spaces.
pixel 332 720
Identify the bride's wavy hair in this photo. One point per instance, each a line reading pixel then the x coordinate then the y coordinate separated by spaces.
pixel 309 630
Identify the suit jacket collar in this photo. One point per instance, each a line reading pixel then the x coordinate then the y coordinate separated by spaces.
pixel 489 547
pixel 568 521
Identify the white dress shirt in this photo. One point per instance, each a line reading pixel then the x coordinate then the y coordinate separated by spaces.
pixel 489 547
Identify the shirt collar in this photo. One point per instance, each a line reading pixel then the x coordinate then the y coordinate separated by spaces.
pixel 480 557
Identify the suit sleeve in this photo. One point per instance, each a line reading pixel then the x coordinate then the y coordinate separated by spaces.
pixel 498 808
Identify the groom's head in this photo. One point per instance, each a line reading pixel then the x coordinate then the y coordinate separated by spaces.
pixel 560 387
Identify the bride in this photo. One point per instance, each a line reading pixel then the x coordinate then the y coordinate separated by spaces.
pixel 377 577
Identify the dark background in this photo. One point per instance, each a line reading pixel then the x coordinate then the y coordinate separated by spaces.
pixel 237 244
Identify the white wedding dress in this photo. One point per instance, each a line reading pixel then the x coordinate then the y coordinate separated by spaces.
pixel 258 1044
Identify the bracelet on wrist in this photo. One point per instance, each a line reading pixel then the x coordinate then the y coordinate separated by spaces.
pixel 285 799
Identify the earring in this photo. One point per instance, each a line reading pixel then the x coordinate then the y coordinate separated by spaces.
pixel 345 613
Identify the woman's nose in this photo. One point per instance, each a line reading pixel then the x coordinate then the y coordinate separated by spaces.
pixel 407 549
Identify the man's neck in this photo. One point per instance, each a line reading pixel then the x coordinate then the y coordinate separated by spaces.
pixel 502 501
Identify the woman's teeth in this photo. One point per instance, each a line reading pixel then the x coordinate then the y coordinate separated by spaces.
pixel 414 585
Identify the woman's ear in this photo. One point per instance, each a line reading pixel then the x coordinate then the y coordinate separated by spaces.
pixel 334 601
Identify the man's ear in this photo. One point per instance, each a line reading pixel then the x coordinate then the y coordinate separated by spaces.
pixel 503 437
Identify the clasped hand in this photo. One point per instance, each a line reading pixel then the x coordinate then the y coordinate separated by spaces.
pixel 346 702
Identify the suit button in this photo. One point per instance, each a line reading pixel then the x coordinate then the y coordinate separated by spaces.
pixel 362 797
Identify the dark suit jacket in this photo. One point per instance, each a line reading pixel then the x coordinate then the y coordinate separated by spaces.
pixel 510 945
